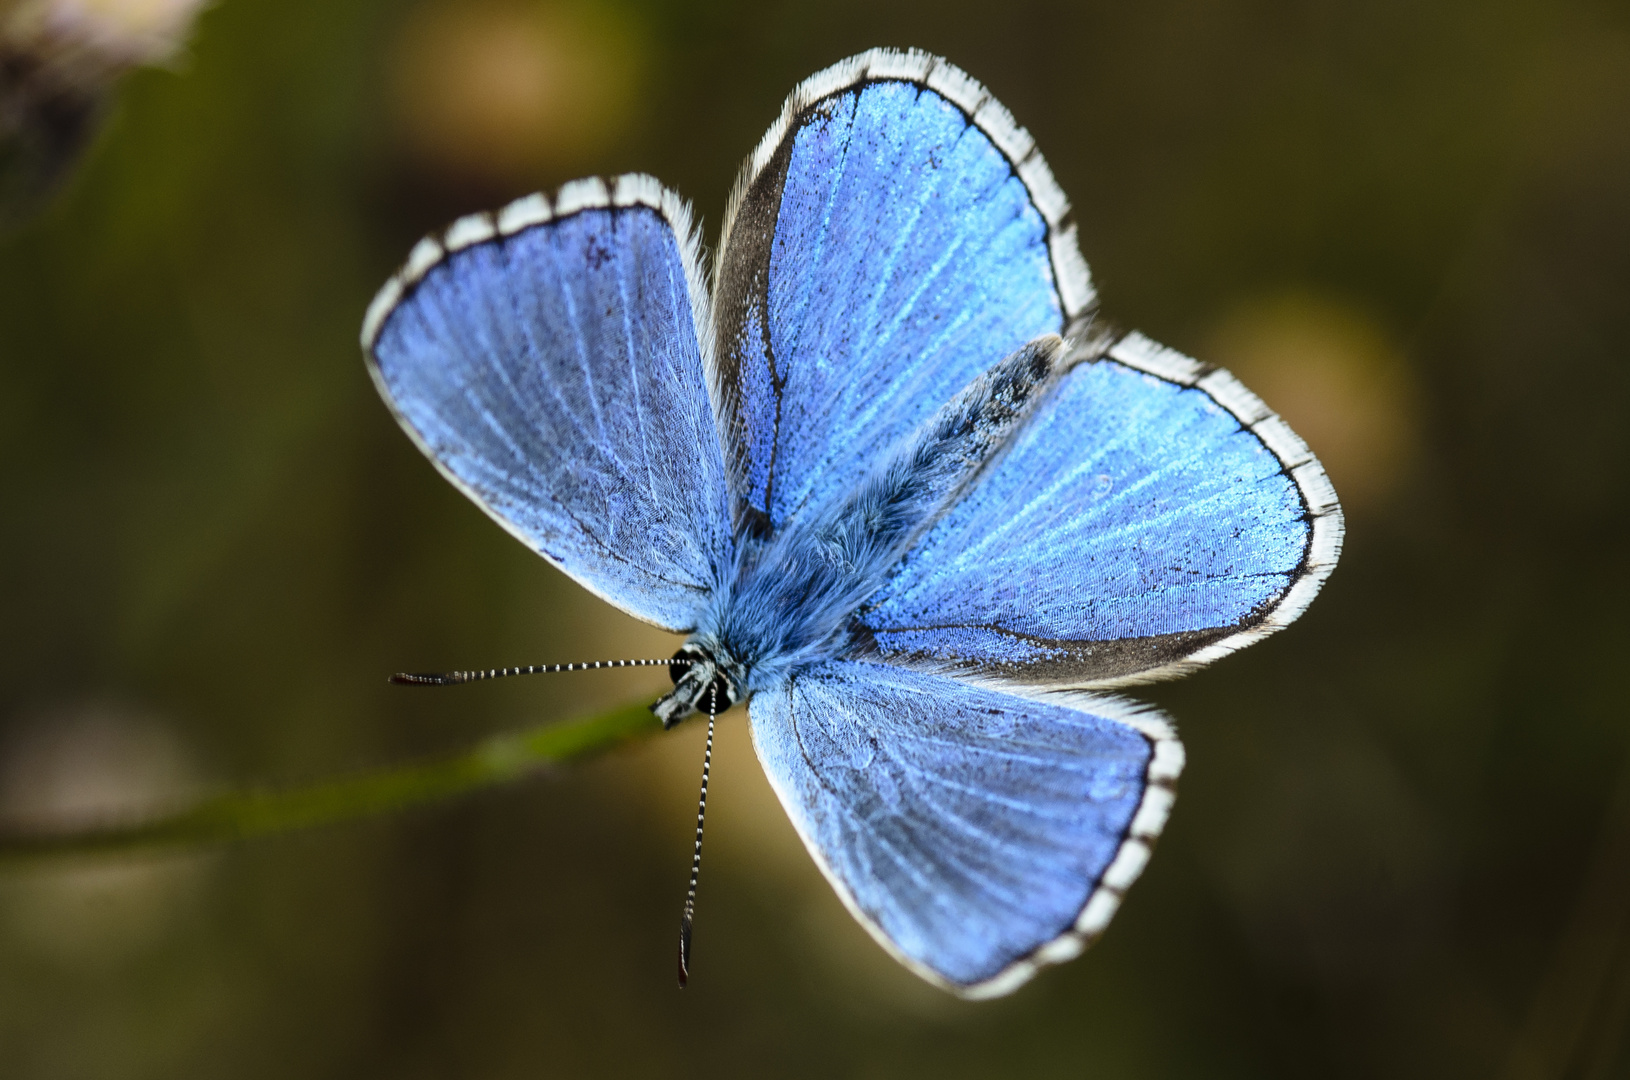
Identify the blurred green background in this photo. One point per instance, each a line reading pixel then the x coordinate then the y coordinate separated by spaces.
pixel 1402 847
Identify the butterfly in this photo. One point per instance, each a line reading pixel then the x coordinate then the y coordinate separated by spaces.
pixel 909 497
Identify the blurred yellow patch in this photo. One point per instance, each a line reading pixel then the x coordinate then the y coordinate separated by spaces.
pixel 507 91
pixel 1336 377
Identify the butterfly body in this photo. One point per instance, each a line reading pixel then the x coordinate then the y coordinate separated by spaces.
pixel 899 493
pixel 794 594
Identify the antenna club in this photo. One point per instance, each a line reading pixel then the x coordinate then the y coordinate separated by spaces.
pixel 407 678
pixel 684 949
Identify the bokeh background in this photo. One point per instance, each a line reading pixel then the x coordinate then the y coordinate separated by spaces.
pixel 1402 847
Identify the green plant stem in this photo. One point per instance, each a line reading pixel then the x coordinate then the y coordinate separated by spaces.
pixel 239 815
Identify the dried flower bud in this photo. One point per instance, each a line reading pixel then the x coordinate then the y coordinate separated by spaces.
pixel 59 61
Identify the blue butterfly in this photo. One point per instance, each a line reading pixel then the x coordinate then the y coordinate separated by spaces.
pixel 909 498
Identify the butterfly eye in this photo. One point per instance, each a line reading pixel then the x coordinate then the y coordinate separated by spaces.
pixel 682 661
pixel 720 692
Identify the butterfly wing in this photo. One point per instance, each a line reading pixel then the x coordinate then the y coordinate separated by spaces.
pixel 894 235
pixel 1153 516
pixel 977 834
pixel 548 359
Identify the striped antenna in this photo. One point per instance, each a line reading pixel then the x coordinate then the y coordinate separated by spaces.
pixel 453 678
pixel 696 853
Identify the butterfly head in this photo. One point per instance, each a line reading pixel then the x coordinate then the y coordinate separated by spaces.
pixel 701 684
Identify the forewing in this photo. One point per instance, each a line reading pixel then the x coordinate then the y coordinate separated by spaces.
pixel 1153 516
pixel 976 834
pixel 548 359
pixel 894 235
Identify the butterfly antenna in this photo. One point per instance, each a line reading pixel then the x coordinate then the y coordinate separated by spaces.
pixel 696 854
pixel 453 678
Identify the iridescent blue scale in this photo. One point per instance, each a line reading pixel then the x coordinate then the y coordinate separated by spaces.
pixel 902 492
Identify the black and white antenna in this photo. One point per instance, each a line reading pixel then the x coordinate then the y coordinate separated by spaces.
pixel 696 853
pixel 453 678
